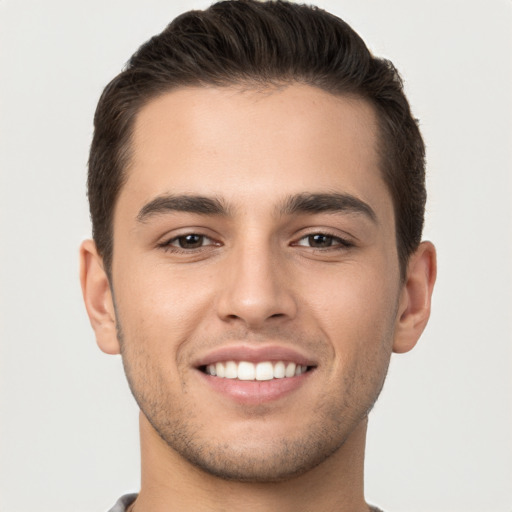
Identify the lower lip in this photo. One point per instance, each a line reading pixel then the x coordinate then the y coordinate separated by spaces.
pixel 256 392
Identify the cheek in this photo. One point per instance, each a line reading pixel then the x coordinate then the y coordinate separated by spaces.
pixel 356 309
pixel 360 328
pixel 160 306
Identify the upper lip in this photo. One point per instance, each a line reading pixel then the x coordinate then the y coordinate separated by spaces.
pixel 254 354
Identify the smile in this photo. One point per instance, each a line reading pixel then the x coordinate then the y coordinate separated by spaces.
pixel 247 371
pixel 255 374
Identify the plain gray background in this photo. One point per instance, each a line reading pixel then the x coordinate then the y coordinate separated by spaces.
pixel 440 437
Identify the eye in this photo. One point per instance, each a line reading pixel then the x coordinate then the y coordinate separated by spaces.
pixel 322 241
pixel 190 241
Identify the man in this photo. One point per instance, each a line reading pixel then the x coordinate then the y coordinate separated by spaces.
pixel 256 184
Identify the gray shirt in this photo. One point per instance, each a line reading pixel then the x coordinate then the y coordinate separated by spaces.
pixel 125 501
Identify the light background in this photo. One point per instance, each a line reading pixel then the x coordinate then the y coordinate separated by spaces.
pixel 440 437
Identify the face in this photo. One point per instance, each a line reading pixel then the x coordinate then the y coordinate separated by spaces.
pixel 255 275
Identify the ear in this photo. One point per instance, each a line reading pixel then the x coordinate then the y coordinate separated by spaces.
pixel 98 298
pixel 415 298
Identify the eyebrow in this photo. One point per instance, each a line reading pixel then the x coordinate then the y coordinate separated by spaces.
pixel 329 202
pixel 183 203
pixel 307 203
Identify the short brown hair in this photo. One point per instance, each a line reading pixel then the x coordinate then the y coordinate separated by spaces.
pixel 259 43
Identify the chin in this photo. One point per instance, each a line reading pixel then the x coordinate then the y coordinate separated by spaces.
pixel 281 462
pixel 252 456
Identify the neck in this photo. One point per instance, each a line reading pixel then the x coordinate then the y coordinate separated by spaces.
pixel 170 482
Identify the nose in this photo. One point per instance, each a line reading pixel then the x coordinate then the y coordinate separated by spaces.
pixel 255 288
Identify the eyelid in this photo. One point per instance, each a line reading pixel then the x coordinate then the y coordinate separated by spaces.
pixel 171 243
pixel 343 241
pixel 177 238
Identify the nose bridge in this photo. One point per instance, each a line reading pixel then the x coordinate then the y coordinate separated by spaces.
pixel 255 289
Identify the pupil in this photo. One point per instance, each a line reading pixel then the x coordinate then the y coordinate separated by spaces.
pixel 191 241
pixel 320 240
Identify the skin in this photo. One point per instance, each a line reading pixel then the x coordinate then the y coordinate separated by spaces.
pixel 257 278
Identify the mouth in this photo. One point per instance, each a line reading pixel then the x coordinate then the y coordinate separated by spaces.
pixel 249 371
pixel 249 374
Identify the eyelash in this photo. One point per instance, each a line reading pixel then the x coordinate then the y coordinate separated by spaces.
pixel 336 242
pixel 169 247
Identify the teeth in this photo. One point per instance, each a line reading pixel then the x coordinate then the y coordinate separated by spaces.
pixel 290 370
pixel 231 370
pixel 244 370
pixel 220 370
pixel 264 371
pixel 279 370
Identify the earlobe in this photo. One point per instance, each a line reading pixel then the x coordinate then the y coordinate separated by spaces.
pixel 98 298
pixel 415 300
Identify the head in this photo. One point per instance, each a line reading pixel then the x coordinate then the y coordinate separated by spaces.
pixel 255 45
pixel 257 192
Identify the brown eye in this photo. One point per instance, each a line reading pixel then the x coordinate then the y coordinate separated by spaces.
pixel 191 241
pixel 323 241
pixel 320 241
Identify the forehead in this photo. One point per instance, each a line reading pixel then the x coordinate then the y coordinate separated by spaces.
pixel 241 144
